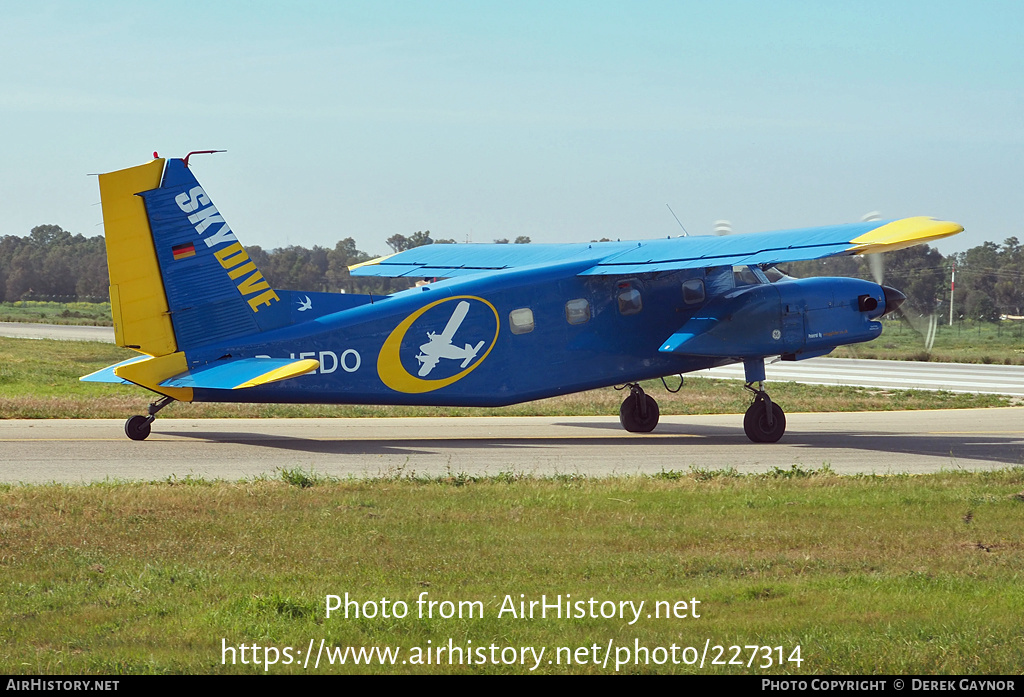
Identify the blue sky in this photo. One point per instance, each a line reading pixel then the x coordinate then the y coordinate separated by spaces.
pixel 564 121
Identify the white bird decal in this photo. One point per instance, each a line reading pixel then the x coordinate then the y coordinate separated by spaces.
pixel 306 304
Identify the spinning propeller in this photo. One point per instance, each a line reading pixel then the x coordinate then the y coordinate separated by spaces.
pixel 925 326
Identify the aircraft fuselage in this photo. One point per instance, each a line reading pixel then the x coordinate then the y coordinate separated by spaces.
pixel 518 339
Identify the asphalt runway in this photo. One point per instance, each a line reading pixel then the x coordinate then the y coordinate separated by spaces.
pixel 75 451
pixel 28 330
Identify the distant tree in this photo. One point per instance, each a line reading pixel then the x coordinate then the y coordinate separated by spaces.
pixel 832 266
pixel 419 239
pixel 398 243
pixel 344 255
pixel 920 273
pixel 522 239
pixel 92 282
pixel 21 273
pixel 979 306
pixel 992 278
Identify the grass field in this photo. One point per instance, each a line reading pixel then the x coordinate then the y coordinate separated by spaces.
pixel 964 342
pixel 95 314
pixel 867 575
pixel 39 380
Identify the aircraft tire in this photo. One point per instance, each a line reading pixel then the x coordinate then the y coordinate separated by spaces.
pixel 629 414
pixel 137 428
pixel 755 423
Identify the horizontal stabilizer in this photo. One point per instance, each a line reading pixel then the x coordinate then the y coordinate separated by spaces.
pixel 107 374
pixel 235 374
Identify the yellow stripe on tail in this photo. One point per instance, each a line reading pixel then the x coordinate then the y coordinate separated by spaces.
pixel 137 299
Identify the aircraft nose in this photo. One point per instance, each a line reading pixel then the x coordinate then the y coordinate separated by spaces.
pixel 893 298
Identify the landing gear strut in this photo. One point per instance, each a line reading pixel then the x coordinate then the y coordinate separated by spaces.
pixel 138 427
pixel 639 412
pixel 764 422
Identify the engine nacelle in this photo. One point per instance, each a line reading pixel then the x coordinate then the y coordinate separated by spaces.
pixel 796 318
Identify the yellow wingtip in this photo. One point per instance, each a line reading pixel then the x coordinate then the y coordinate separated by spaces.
pixel 903 233
pixel 371 262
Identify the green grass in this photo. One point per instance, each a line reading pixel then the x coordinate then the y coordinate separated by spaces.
pixel 96 314
pixel 868 575
pixel 39 380
pixel 964 342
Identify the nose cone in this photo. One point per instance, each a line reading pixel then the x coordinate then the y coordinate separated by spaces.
pixel 893 299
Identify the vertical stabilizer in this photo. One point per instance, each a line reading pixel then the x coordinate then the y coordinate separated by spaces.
pixel 214 290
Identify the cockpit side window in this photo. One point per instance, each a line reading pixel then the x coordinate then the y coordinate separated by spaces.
pixel 774 275
pixel 745 276
pixel 719 280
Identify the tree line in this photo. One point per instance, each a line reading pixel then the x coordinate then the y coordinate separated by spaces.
pixel 989 278
pixel 52 264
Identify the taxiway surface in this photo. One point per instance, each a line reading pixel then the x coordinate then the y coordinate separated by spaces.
pixel 864 442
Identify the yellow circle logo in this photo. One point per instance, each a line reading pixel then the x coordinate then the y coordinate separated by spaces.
pixel 439 348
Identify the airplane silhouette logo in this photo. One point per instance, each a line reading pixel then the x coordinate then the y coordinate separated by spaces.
pixel 440 345
pixel 306 304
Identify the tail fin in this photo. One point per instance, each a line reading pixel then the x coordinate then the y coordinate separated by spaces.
pixel 179 277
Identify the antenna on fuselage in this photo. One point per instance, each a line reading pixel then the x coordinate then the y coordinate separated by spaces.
pixel 198 152
pixel 685 233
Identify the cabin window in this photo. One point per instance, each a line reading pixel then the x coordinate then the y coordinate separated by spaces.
pixel 629 301
pixel 693 291
pixel 521 321
pixel 577 311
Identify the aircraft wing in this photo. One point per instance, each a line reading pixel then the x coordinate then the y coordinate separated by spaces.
pixel 449 260
pixel 648 256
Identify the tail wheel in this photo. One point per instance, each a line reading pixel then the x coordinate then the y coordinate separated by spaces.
pixel 757 426
pixel 639 417
pixel 138 427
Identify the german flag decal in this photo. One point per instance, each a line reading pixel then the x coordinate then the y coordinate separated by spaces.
pixel 183 251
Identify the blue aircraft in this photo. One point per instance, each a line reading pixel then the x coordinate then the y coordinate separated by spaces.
pixel 504 324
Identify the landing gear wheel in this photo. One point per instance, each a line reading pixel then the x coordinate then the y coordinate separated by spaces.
pixel 755 421
pixel 639 417
pixel 138 427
